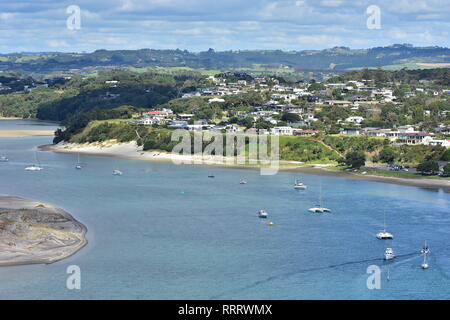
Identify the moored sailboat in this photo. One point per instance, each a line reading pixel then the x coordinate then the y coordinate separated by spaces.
pixel 384 235
pixel 35 167
pixel 319 208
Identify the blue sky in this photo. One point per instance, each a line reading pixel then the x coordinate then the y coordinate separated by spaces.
pixel 196 25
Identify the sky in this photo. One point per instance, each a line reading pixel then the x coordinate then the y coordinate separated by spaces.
pixel 197 25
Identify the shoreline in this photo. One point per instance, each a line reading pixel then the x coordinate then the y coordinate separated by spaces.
pixel 132 152
pixel 11 118
pixel 34 232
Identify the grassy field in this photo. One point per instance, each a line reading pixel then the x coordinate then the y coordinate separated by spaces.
pixel 407 66
pixel 171 70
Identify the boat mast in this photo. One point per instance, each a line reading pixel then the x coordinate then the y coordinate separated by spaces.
pixel 37 159
pixel 320 199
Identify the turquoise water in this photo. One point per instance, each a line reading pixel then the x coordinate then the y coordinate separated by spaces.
pixel 163 231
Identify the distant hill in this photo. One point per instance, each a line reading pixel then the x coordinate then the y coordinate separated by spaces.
pixel 339 58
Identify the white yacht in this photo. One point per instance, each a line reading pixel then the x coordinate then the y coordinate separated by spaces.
pixel 243 181
pixel 3 159
pixel 384 235
pixel 389 254
pixel 299 185
pixel 35 167
pixel 318 208
pixel 263 214
pixel 117 172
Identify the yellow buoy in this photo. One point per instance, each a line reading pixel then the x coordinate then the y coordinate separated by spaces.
pixel 270 224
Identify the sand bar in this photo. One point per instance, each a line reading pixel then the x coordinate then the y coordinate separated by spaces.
pixel 25 133
pixel 32 232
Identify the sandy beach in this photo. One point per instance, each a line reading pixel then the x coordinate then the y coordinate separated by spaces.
pixel 25 133
pixel 10 118
pixel 32 232
pixel 132 151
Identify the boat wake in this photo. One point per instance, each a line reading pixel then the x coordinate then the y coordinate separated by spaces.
pixel 332 266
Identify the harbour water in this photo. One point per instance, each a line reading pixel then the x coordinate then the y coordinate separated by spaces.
pixel 165 231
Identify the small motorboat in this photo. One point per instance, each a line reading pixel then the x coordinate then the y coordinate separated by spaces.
pixel 389 254
pixel 117 172
pixel 299 185
pixel 211 176
pixel 3 159
pixel 263 214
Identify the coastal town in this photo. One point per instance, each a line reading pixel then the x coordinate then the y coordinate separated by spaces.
pixel 393 112
pixel 297 110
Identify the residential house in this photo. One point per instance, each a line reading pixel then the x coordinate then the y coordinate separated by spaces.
pixel 413 138
pixel 282 131
pixel 354 119
pixel 305 133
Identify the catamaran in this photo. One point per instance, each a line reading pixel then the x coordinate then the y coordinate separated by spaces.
pixel 35 167
pixel 384 235
pixel 389 254
pixel 299 185
pixel 318 207
pixel 263 214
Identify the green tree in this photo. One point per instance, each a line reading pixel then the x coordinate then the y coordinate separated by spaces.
pixel 355 159
pixel 446 155
pixel 388 155
pixel 429 166
pixel 447 169
pixel 290 117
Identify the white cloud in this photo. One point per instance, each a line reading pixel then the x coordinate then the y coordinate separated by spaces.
pixel 331 3
pixel 57 44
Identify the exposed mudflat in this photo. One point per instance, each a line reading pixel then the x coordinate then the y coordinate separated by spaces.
pixel 32 232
